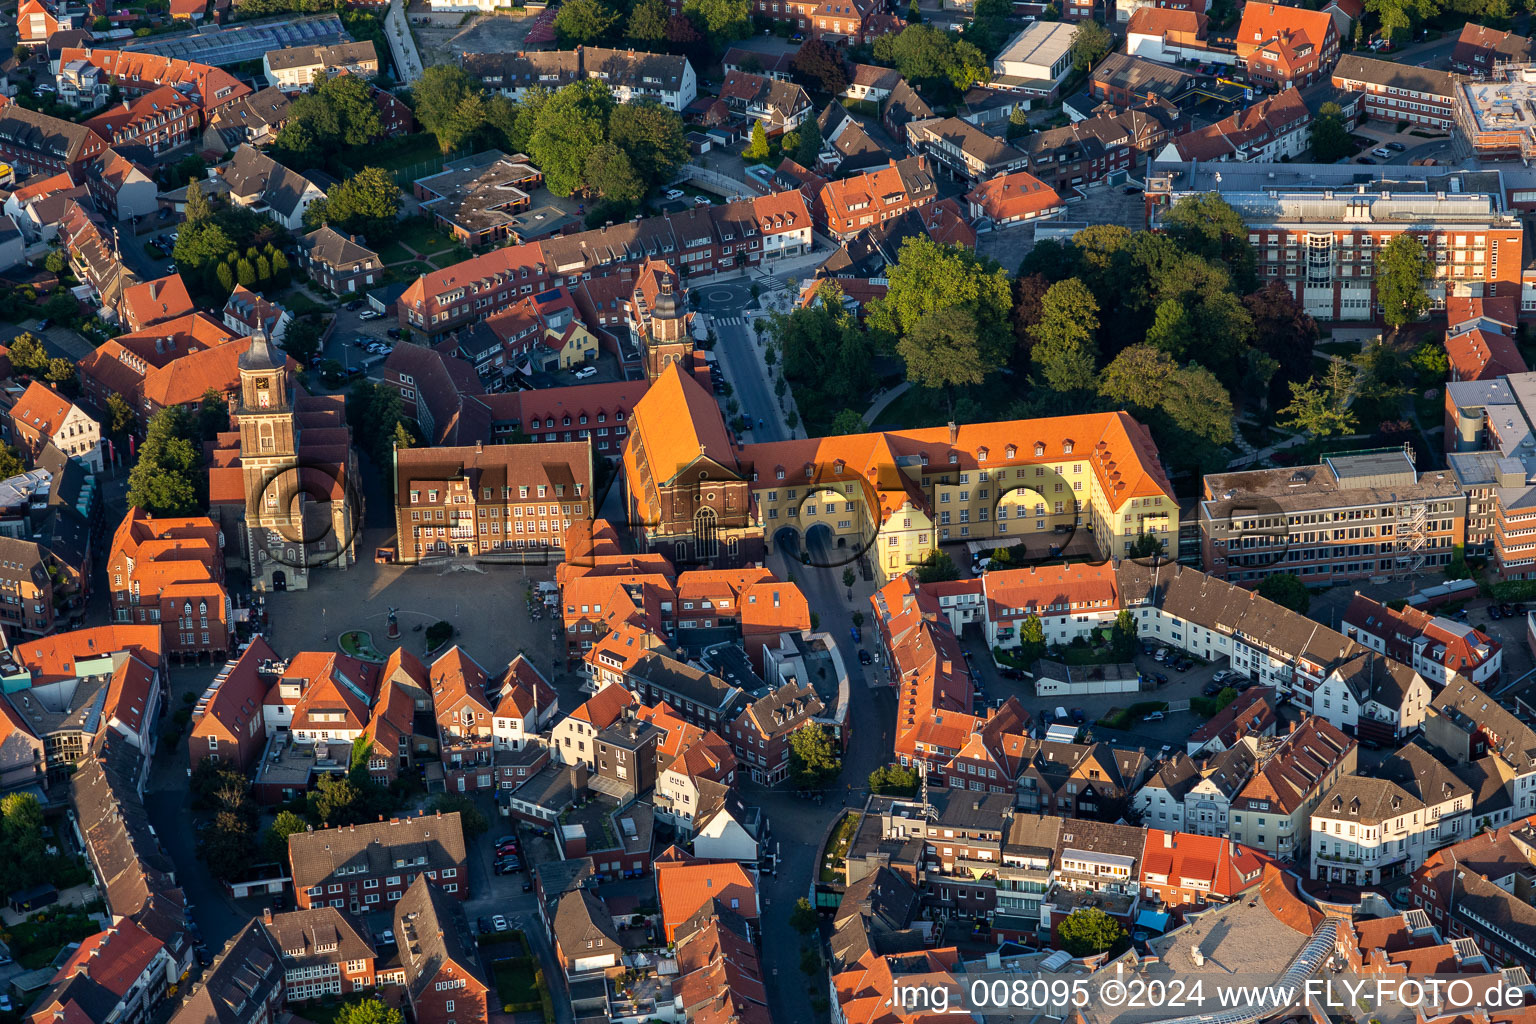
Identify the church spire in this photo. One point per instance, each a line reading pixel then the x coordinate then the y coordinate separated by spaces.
pixel 260 355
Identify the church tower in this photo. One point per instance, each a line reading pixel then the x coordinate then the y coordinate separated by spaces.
pixel 666 337
pixel 268 459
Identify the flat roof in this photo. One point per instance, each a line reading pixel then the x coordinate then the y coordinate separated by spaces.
pixel 1043 43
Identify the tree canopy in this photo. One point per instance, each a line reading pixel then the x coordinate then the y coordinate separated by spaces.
pixel 929 57
pixel 368 203
pixel 1401 268
pixel 1330 135
pixel 1089 931
pixel 1285 589
pixel 169 479
pixel 813 756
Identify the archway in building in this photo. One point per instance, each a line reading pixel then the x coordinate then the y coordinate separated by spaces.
pixel 786 541
pixel 279 580
pixel 820 542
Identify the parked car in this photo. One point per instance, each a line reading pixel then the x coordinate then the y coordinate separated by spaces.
pixel 1211 689
pixel 1364 160
pixel 527 885
pixel 1493 613
pixel 353 306
pixel 701 200
pixel 585 372
pixel 504 840
pixel 858 637
pixel 1161 655
pixel 1222 675
pixel 864 658
pixel 1383 152
pixel 1044 717
pixel 500 923
pixel 1162 680
pixel 1396 147
pixel 674 193
pixel 1079 716
pixel 395 332
pixel 1156 716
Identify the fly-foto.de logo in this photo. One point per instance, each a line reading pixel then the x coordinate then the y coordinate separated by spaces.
pixel 304 515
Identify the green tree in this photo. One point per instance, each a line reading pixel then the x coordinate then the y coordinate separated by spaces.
pixel 1399 16
pixel 584 23
pixel 63 375
pixel 471 820
pixel 199 208
pixel 804 918
pixel 1066 350
pixel 226 277
pixel 168 478
pixel 808 149
pixel 610 174
pixel 930 277
pixel 1090 44
pixel 937 567
pixel 813 757
pixel 367 1011
pixel 10 462
pixel 120 417
pixel 647 22
pixel 893 780
pixel 1207 226
pixel 849 422
pixel 1286 590
pixel 446 98
pixel 274 842
pixel 653 138
pixel 367 203
pixel 336 800
pixel 1401 268
pixel 1089 931
pixel 931 58
pixel 28 355
pixel 757 149
pixel 212 415
pixel 245 273
pixel 56 261
pixel 571 123
pixel 1031 639
pixel 946 350
pixel 1330 135
pixel 1321 407
pixel 721 20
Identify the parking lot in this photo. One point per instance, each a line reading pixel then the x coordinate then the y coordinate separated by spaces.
pixel 1171 731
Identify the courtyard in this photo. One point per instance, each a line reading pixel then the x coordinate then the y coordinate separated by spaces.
pixel 485 604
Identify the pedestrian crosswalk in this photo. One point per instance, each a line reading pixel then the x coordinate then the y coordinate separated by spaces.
pixel 729 321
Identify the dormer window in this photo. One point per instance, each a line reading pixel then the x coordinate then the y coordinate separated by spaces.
pixel 1011 451
pixel 1066 447
pixel 954 458
pixel 1039 448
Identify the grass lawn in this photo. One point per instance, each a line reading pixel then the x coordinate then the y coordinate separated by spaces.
pixel 457 254
pixel 298 302
pixel 394 252
pixel 837 848
pixel 516 981
pixel 420 234
pixel 411 271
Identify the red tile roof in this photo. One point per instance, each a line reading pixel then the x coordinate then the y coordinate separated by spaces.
pixel 685 887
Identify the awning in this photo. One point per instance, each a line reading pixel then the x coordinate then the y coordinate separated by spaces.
pixel 1152 919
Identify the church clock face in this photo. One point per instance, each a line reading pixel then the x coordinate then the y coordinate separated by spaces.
pixel 263 392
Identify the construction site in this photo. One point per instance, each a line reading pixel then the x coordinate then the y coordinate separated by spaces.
pixel 1497 116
